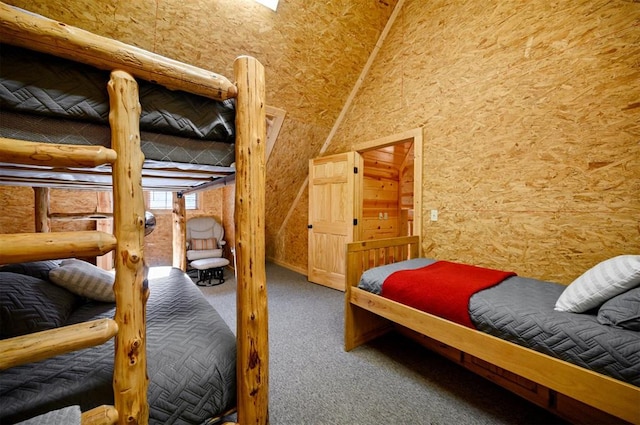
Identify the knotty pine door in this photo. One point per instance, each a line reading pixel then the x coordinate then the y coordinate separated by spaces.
pixel 335 210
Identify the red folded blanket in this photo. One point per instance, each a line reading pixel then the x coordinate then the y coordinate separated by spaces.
pixel 442 288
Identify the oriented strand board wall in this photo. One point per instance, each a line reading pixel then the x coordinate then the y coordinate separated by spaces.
pixel 313 53
pixel 18 209
pixel 531 116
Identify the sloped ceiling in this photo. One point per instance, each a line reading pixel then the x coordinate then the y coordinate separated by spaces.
pixel 313 53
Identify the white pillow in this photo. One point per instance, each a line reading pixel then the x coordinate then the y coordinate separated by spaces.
pixel 84 279
pixel 600 283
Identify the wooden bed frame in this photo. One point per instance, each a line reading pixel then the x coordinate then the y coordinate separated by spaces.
pixel 569 391
pixel 128 326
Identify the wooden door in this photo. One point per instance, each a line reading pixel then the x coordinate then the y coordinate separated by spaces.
pixel 335 203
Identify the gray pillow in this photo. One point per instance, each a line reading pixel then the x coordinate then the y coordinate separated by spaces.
pixel 622 311
pixel 600 283
pixel 29 304
pixel 84 279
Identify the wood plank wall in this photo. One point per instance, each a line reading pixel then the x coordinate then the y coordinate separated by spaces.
pixel 531 116
pixel 388 190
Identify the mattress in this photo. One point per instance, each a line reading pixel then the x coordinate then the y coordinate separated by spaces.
pixel 52 100
pixel 520 310
pixel 191 358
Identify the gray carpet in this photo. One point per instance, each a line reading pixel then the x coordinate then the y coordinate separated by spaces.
pixel 391 380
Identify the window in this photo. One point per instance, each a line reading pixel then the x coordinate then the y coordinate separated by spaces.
pixel 271 4
pixel 164 200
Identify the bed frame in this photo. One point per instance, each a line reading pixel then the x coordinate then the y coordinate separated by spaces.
pixel 125 157
pixel 569 391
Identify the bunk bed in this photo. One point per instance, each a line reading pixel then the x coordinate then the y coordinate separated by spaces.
pixel 122 169
pixel 569 390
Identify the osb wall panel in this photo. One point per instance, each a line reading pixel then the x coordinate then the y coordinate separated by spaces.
pixel 292 164
pixel 290 248
pixel 158 245
pixel 313 53
pixel 531 116
pixel 18 209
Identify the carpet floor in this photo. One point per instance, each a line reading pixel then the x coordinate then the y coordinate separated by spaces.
pixel 391 380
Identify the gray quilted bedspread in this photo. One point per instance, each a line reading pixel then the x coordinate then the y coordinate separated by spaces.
pixel 191 363
pixel 156 146
pixel 520 310
pixel 52 100
pixel 47 85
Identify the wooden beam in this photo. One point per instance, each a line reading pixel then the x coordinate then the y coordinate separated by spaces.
pixel 42 345
pixel 130 381
pixel 21 247
pixel 219 182
pixel 36 32
pixel 252 321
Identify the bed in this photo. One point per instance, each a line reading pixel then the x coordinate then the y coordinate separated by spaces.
pixel 558 375
pixel 185 338
pixel 41 159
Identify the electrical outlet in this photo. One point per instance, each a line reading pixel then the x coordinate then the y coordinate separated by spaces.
pixel 380 216
pixel 434 215
pixel 386 216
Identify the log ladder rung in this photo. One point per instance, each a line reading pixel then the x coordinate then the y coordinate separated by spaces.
pixel 54 155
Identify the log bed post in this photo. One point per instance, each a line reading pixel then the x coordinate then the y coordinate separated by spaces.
pixel 41 201
pixel 252 327
pixel 179 232
pixel 130 380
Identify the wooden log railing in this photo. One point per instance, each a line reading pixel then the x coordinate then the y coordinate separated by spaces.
pixel 42 345
pixel 130 380
pixel 38 33
pixel 41 204
pixel 253 343
pixel 20 247
pixel 48 36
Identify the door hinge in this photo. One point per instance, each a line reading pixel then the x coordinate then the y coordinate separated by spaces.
pixel 355 221
pixel 309 226
pixel 355 170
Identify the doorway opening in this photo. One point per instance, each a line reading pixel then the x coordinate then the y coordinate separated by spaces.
pixel 392 186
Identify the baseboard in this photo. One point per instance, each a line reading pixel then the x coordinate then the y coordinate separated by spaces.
pixel 288 266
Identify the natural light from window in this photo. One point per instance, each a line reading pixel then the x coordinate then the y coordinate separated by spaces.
pixel 271 4
pixel 164 200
